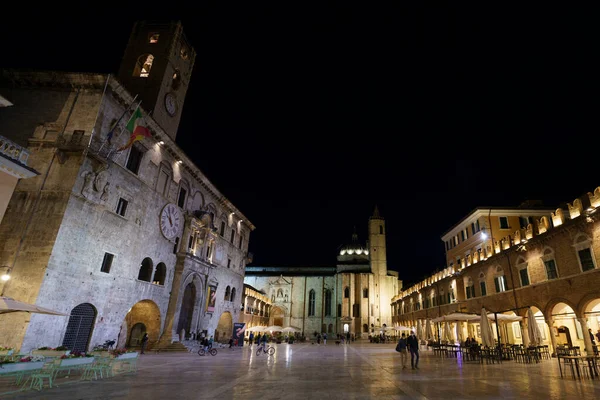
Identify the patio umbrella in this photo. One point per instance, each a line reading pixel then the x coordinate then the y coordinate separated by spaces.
pixel 447 333
pixel 290 329
pixel 459 335
pixel 402 328
pixel 535 336
pixel 256 329
pixel 487 336
pixel 419 330
pixel 8 305
pixel 274 328
pixel 457 317
pixel 428 331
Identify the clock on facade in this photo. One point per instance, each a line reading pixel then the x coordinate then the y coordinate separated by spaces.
pixel 170 220
pixel 170 104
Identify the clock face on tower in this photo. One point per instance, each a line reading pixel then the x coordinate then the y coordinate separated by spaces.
pixel 170 104
pixel 170 220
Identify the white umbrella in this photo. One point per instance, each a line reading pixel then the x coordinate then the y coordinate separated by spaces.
pixel 456 317
pixel 459 335
pixel 290 329
pixel 274 328
pixel 428 331
pixel 402 328
pixel 8 305
pixel 535 336
pixel 256 329
pixel 447 333
pixel 487 336
pixel 419 330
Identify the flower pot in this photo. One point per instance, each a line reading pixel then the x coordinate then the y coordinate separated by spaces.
pixel 71 362
pixel 20 366
pixel 50 353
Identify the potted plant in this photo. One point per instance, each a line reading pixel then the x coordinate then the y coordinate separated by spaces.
pixel 6 351
pixel 76 358
pixel 123 354
pixel 23 364
pixel 51 352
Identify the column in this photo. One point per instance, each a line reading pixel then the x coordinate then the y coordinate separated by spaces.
pixel 550 323
pixel 525 332
pixel 586 336
pixel 167 336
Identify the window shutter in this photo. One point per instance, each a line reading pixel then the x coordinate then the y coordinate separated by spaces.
pixel 497 285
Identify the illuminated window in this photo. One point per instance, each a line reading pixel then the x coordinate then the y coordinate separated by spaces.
pixel 184 54
pixel 143 66
pixel 176 80
pixel 153 38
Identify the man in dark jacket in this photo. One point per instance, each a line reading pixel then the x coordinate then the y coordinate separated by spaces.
pixel 401 348
pixel 413 346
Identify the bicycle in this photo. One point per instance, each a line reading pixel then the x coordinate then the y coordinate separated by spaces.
pixel 270 350
pixel 202 352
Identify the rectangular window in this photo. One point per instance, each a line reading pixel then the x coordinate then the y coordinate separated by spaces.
pixel 241 241
pixel 181 200
pixel 222 228
pixel 134 160
pixel 473 231
pixel 356 310
pixel 228 263
pixel 483 288
pixel 551 269
pixel 107 262
pixel 477 226
pixel 122 207
pixel 500 282
pixel 523 222
pixel 232 236
pixel 462 236
pixel 524 277
pixel 585 256
pixel 163 180
pixel 503 222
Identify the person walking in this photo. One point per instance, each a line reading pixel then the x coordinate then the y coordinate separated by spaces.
pixel 210 342
pixel 144 342
pixel 413 346
pixel 401 348
pixel 324 338
pixel 250 339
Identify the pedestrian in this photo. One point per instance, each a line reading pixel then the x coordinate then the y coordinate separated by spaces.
pixel 210 342
pixel 319 338
pixel 413 345
pixel 251 338
pixel 231 343
pixel 598 335
pixel 258 339
pixel 401 348
pixel 144 341
pixel 592 338
pixel 324 338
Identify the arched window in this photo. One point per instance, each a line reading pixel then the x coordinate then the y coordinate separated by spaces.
pixel 145 273
pixel 366 293
pixel 143 66
pixel 80 328
pixel 330 328
pixel 328 303
pixel 160 274
pixel 311 303
pixel 347 292
pixel 233 294
pixel 176 80
pixel 365 328
pixel 227 293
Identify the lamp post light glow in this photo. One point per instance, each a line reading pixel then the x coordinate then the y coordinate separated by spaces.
pixel 5 277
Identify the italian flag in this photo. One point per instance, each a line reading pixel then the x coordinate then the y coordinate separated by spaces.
pixel 137 128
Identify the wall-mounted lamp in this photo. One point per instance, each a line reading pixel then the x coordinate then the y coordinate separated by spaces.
pixel 6 275
pixel 161 142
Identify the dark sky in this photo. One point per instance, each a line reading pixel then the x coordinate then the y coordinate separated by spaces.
pixel 307 117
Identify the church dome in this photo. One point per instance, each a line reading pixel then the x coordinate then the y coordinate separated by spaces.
pixel 354 248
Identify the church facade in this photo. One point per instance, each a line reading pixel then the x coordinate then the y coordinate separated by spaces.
pixel 123 237
pixel 353 297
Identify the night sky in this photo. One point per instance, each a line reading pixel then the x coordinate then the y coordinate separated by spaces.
pixel 312 116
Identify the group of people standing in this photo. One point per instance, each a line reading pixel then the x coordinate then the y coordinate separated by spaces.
pixel 409 344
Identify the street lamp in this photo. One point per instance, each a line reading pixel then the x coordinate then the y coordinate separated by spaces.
pixel 6 276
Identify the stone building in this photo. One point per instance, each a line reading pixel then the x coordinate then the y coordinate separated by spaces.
pixel 511 260
pixel 123 241
pixel 353 296
pixel 256 308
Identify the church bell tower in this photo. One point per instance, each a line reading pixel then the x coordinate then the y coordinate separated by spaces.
pixel 377 250
pixel 157 66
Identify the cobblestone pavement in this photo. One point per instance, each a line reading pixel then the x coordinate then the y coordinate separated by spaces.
pixel 309 371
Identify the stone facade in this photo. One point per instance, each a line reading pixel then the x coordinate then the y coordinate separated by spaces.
pixel 550 266
pixel 352 297
pixel 85 236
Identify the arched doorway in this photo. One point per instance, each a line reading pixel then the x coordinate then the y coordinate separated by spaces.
pixel 225 328
pixel 186 312
pixel 592 313
pixel 145 313
pixel 135 336
pixel 567 329
pixel 564 336
pixel 80 327
pixel 278 315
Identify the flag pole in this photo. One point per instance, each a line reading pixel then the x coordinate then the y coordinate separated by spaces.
pixel 96 119
pixel 111 151
pixel 117 123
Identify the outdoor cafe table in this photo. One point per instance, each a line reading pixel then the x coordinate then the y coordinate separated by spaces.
pixel 592 363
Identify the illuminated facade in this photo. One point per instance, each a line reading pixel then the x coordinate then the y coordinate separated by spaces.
pixel 352 297
pixel 125 242
pixel 513 260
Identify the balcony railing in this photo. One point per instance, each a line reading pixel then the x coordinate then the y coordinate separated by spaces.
pixel 13 150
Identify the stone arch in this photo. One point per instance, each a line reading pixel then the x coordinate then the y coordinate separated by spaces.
pixel 160 274
pixel 186 310
pixel 198 201
pixel 80 327
pixel 147 313
pixel 146 268
pixel 549 310
pixel 590 299
pixel 224 328
pixel 227 293
pixel 232 295
pixel 183 185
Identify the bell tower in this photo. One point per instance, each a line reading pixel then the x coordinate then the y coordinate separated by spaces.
pixel 377 250
pixel 157 66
